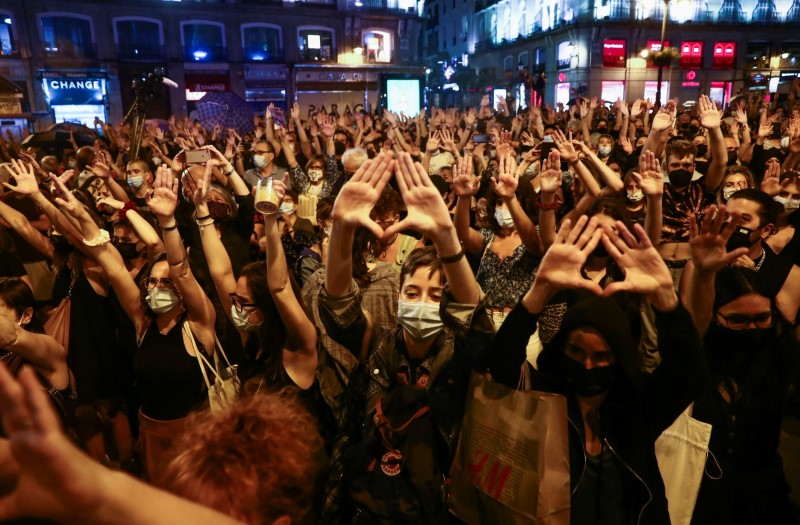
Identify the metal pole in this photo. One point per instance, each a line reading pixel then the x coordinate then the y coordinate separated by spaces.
pixel 660 65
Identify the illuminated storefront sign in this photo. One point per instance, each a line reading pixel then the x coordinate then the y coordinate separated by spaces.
pixel 691 55
pixel 724 55
pixel 614 53
pixel 75 96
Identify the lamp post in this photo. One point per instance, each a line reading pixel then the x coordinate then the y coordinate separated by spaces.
pixel 661 49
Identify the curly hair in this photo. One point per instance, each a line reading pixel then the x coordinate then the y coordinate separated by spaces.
pixel 257 461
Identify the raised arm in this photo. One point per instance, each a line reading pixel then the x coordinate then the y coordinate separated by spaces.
pixel 651 181
pixel 659 129
pixel 199 310
pixel 710 119
pixel 466 185
pixel 506 186
pixel 305 143
pixel 550 179
pixel 143 229
pixel 40 350
pixel 17 222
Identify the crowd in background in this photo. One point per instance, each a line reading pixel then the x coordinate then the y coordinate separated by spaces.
pixel 638 260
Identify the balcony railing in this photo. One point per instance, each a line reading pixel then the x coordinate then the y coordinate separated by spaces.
pixel 327 4
pixel 263 57
pixel 316 55
pixel 69 50
pixel 206 54
pixel 146 53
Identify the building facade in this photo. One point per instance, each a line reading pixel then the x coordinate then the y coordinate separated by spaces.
pixel 599 47
pixel 76 60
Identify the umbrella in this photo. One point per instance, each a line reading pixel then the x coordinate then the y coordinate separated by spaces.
pixel 57 136
pixel 225 109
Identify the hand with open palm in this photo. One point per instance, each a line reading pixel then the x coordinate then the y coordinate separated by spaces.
pixel 465 183
pixel 24 176
pixel 560 268
pixel 506 182
pixel 359 195
pixel 649 177
pixel 708 242
pixel 710 117
pixel 164 200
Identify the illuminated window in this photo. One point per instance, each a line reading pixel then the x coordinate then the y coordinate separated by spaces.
pixel 377 46
pixel 562 93
pixel 67 35
pixel 564 56
pixel 8 46
pixel 203 41
pixel 651 88
pixel 691 55
pixel 316 44
pixel 613 90
pixel 262 42
pixel 139 38
pixel 614 52
pixel 724 55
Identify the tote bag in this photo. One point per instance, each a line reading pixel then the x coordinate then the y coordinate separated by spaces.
pixel 224 391
pixel 512 462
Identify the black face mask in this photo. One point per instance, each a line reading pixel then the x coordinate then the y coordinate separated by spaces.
pixel 61 245
pixel 680 178
pixel 732 157
pixel 340 147
pixel 587 383
pixel 128 250
pixel 217 210
pixel 740 239
pixel 732 350
pixel 693 129
pixel 702 149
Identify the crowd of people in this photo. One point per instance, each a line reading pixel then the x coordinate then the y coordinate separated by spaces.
pixel 640 261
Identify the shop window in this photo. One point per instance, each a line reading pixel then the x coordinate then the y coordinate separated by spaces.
pixel 8 44
pixel 757 56
pixel 139 38
pixel 614 52
pixel 691 55
pixel 724 56
pixel 262 42
pixel 67 36
pixel 651 88
pixel 540 58
pixel 790 55
pixel 203 41
pixel 720 92
pixel 562 93
pixel 377 46
pixel 316 44
pixel 613 90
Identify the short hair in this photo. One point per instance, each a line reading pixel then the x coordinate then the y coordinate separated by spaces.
pixel 769 208
pixel 17 296
pixel 388 202
pixel 256 461
pixel 357 155
pixel 325 208
pixel 422 258
pixel 315 158
pixel 680 148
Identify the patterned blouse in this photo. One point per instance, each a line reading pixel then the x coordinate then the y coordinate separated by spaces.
pixel 301 182
pixel 678 207
pixel 505 281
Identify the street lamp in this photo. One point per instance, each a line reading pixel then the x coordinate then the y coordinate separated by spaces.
pixel 661 49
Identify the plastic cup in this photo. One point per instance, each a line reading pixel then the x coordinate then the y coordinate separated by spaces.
pixel 266 199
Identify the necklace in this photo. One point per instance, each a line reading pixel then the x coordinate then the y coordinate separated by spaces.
pixel 761 259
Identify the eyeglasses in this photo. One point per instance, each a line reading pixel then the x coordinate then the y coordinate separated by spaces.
pixel 236 301
pixel 163 282
pixel 741 321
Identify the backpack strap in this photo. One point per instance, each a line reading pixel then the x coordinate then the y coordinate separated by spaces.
pixel 386 430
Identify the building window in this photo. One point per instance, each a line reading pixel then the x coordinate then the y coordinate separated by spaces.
pixel 262 42
pixel 315 44
pixel 203 41
pixel 790 55
pixel 564 55
pixel 522 59
pixel 508 63
pixel 757 57
pixel 8 45
pixel 724 56
pixel 613 90
pixel 540 58
pixel 691 55
pixel 562 93
pixel 377 46
pixel 614 54
pixel 139 38
pixel 651 87
pixel 67 36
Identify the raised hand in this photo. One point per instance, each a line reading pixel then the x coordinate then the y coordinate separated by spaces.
pixel 741 117
pixel 359 195
pixel 447 141
pixel 625 142
pixel 565 147
pixel 649 176
pixel 427 211
pixel 561 265
pixel 327 125
pixel 433 142
pixel 551 175
pixel 23 174
pixel 66 200
pixel 465 183
pixel 505 185
pixel 708 242
pixel 164 200
pixel 770 184
pixel 645 271
pixel 637 108
pixel 295 111
pixel 665 117
pixel 470 116
pixel 710 117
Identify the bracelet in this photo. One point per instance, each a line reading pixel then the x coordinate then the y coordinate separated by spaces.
pixel 174 226
pixel 123 213
pixel 203 218
pixel 205 225
pixel 178 263
pixel 101 239
pixel 228 174
pixel 452 258
pixel 542 206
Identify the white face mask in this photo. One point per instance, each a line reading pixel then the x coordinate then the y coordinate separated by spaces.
pixel 727 192
pixel 156 162
pixel 635 196
pixel 503 218
pixel 314 175
pixel 287 208
pixel 136 182
pixel 603 151
pixel 788 204
pixel 240 320
pixel 260 161
pixel 421 320
pixel 785 142
pixel 162 301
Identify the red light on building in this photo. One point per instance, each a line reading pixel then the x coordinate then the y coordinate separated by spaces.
pixel 691 55
pixel 724 55
pixel 654 46
pixel 614 53
pixel 562 77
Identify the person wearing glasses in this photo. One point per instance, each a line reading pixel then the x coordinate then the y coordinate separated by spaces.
pixel 165 363
pixel 263 304
pixel 752 358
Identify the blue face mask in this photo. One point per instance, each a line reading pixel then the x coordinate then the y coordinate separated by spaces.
pixel 604 151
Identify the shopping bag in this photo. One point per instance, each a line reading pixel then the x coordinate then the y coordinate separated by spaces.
pixel 512 461
pixel 58 321
pixel 681 451
pixel 224 391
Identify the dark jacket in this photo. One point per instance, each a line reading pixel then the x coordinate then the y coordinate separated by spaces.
pixel 637 408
